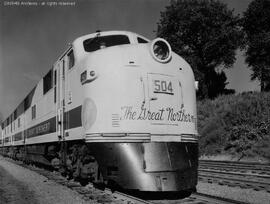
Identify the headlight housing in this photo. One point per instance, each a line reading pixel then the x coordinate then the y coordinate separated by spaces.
pixel 161 50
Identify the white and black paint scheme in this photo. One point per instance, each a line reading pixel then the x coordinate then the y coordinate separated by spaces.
pixel 114 108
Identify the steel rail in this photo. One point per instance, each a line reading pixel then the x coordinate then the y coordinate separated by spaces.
pixel 238 174
pixel 265 166
pixel 205 198
pixel 234 167
pixel 236 162
pixel 255 168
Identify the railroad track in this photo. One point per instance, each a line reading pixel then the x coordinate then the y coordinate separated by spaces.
pixel 233 179
pixel 244 175
pixel 243 167
pixel 90 193
pixel 106 196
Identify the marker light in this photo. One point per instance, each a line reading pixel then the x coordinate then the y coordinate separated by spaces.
pixel 85 78
pixel 161 50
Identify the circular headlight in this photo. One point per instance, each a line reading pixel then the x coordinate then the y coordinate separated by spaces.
pixel 161 50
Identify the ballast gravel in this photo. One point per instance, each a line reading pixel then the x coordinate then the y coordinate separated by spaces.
pixel 235 193
pixel 19 185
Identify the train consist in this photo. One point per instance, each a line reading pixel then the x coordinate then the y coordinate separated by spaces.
pixel 115 108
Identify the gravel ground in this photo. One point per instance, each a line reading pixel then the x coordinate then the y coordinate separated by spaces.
pixel 12 191
pixel 235 193
pixel 22 186
pixel 234 158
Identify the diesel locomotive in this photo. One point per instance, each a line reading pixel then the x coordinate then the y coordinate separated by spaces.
pixel 115 108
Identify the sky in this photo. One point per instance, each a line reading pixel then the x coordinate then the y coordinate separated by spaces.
pixel 32 38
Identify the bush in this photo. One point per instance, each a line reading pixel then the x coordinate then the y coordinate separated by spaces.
pixel 235 124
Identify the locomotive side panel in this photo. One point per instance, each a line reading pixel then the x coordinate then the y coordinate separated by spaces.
pixel 40 117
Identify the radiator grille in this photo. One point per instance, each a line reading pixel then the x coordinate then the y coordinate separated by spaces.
pixel 115 120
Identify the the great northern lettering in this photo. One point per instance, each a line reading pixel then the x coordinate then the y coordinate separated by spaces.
pixel 163 114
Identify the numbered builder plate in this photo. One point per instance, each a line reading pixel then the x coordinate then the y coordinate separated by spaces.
pixel 162 84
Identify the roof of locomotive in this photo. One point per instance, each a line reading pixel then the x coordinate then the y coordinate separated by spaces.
pixel 131 35
pixel 79 41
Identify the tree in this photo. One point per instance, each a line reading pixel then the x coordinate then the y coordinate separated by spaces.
pixel 204 32
pixel 257 41
pixel 218 84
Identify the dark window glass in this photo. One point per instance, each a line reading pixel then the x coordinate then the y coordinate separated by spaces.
pixel 140 40
pixel 15 114
pixel 63 70
pixel 11 124
pixel 6 140
pixel 28 100
pixel 34 112
pixel 47 82
pixel 27 103
pixel 55 78
pixel 19 122
pixel 20 109
pixel 55 81
pixel 54 94
pixel 97 43
pixel 70 59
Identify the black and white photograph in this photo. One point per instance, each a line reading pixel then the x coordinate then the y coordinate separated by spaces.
pixel 135 101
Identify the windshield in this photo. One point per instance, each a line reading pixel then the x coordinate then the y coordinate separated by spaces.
pixel 97 43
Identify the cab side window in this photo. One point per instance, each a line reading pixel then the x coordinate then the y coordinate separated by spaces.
pixel 47 82
pixel 71 60
pixel 140 40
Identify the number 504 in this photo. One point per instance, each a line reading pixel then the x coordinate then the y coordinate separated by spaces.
pixel 163 87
